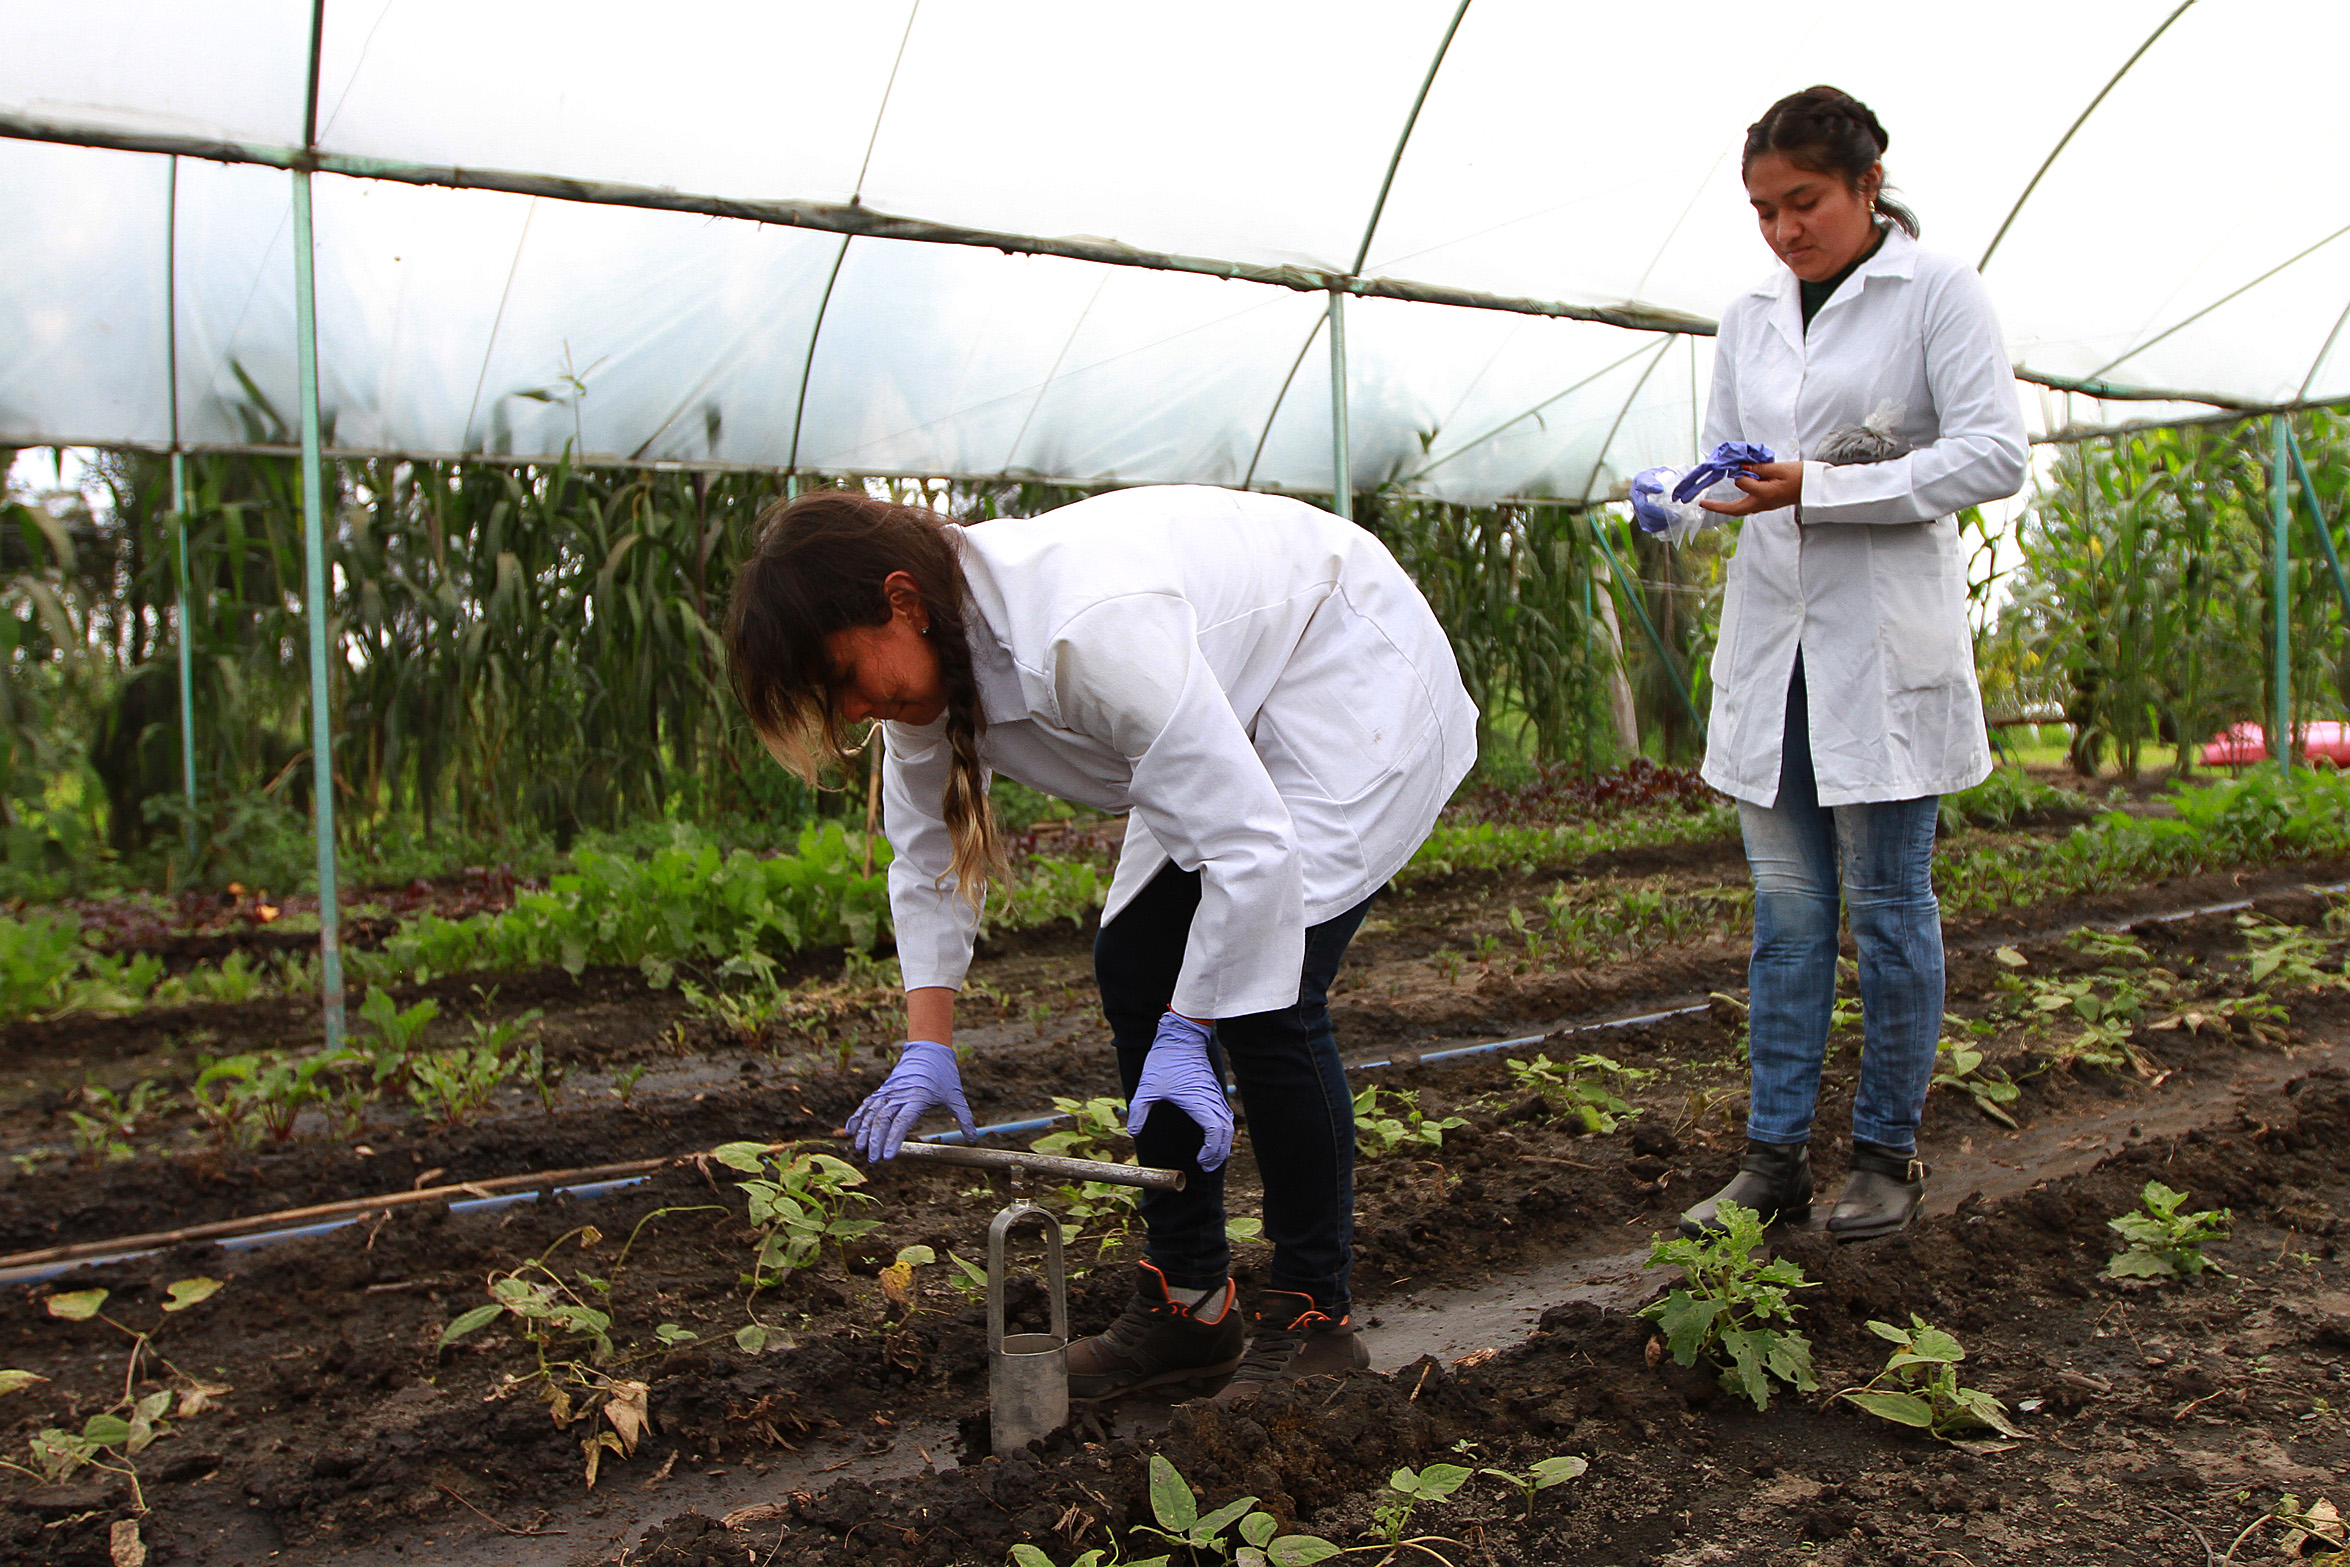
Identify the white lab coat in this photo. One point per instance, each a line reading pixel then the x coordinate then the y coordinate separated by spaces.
pixel 1868 580
pixel 1255 680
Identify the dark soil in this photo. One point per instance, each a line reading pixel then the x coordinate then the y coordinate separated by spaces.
pixel 344 1433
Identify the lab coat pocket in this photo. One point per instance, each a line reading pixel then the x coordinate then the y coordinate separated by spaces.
pixel 1349 707
pixel 1921 630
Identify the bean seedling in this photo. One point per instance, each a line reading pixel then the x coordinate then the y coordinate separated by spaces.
pixel 1379 1132
pixel 1731 1310
pixel 1541 1476
pixel 1919 1385
pixel 2163 1242
pixel 1180 1522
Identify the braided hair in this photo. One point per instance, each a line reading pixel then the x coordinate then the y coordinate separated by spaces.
pixel 818 568
pixel 1827 130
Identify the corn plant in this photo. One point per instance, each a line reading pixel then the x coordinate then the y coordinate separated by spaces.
pixel 1919 1385
pixel 2163 1242
pixel 1733 1310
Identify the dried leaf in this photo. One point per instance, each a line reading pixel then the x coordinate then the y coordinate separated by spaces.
pixel 626 1405
pixel 200 1395
pixel 15 1381
pixel 897 1283
pixel 124 1545
pixel 596 1447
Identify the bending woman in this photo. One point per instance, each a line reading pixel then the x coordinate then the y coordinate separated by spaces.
pixel 1844 683
pixel 1263 690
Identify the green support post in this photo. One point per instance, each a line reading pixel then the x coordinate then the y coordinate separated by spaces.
pixel 319 609
pixel 2317 522
pixel 2280 591
pixel 179 497
pixel 1342 474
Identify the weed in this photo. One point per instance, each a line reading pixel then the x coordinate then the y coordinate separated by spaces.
pixel 2163 1242
pixel 625 1080
pixel 542 1077
pixel 225 1102
pixel 104 1132
pixel 451 1087
pixel 1735 1312
pixel 1919 1385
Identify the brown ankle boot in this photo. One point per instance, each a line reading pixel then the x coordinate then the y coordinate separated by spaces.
pixel 1157 1341
pixel 1295 1339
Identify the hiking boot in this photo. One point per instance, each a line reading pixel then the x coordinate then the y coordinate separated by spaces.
pixel 1157 1341
pixel 1295 1339
pixel 1774 1180
pixel 1880 1196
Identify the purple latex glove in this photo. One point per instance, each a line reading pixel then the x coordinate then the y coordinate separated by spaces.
pixel 924 1076
pixel 1177 1072
pixel 1648 491
pixel 1728 458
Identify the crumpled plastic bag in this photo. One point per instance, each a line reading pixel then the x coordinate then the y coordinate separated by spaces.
pixel 1875 439
pixel 1664 500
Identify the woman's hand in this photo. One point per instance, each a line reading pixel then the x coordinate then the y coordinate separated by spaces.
pixel 924 1077
pixel 1177 1073
pixel 1768 486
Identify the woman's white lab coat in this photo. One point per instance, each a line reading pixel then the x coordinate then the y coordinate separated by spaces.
pixel 1866 575
pixel 1254 679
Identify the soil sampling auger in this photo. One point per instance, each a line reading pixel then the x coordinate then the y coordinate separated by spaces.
pixel 1028 1373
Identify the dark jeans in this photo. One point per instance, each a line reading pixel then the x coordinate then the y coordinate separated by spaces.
pixel 1292 1089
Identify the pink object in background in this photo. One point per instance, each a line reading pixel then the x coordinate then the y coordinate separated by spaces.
pixel 2244 744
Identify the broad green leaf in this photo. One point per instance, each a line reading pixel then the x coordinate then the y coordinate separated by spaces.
pixel 1902 1408
pixel 2139 1265
pixel 1257 1528
pixel 1171 1500
pixel 17 1381
pixel 1887 1330
pixel 1988 1411
pixel 106 1431
pixel 750 1338
pixel 1210 1526
pixel 1299 1550
pixel 914 1256
pixel 466 1323
pixel 78 1306
pixel 1030 1556
pixel 1440 1480
pixel 1548 1472
pixel 671 1333
pixel 184 1293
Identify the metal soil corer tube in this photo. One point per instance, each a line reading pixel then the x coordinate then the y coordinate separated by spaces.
pixel 1027 1373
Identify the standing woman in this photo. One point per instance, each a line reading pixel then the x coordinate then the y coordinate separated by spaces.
pixel 1263 690
pixel 1844 684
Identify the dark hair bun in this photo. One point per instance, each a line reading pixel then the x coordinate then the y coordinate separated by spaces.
pixel 1828 129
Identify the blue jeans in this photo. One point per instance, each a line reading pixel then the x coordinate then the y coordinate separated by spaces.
pixel 1882 856
pixel 1292 1088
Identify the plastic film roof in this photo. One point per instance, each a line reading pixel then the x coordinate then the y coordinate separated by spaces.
pixel 2192 235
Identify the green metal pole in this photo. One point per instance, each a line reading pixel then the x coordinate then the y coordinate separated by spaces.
pixel 2317 521
pixel 320 610
pixel 1342 474
pixel 2280 587
pixel 179 501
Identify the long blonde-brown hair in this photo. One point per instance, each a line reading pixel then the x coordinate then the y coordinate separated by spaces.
pixel 819 568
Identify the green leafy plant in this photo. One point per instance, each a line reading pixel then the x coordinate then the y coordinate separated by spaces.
pixel 1261 1544
pixel 566 1323
pixel 1594 1106
pixel 130 1425
pixel 1731 1310
pixel 625 1080
pixel 1541 1476
pixel 1407 1489
pixel 1919 1385
pixel 797 1201
pixel 1097 1130
pixel 2286 957
pixel 1960 1067
pixel 1381 1130
pixel 451 1087
pixel 226 1099
pixel 2163 1242
pixel 104 1131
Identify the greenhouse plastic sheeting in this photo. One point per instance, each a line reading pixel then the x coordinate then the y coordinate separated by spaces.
pixel 2190 236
